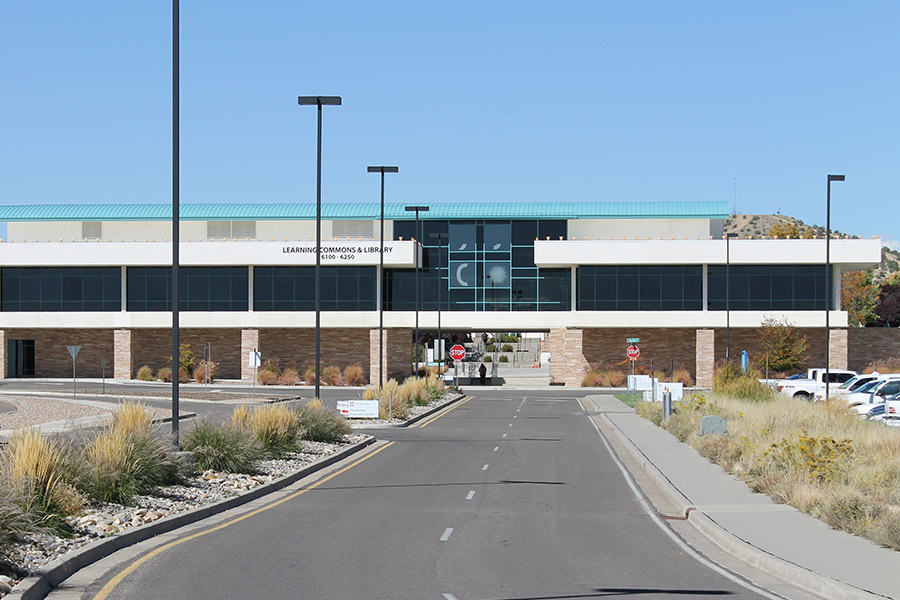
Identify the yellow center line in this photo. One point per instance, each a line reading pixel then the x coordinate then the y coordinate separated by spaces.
pixel 108 588
pixel 445 412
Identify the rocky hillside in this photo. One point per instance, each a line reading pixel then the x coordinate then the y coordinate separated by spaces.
pixel 757 226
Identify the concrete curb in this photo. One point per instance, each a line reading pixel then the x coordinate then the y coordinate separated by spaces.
pixel 431 411
pixel 816 583
pixel 38 586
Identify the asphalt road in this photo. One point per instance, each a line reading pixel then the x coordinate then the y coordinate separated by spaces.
pixel 503 497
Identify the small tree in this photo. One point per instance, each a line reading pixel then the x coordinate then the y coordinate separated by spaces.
pixel 887 309
pixel 783 347
pixel 859 294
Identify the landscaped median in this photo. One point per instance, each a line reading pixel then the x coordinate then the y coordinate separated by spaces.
pixel 65 505
pixel 817 457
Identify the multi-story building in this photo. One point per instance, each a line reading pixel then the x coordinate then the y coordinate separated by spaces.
pixel 585 275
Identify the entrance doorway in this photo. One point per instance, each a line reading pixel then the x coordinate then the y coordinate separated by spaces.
pixel 20 358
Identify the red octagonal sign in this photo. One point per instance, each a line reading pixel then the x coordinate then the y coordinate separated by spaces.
pixel 633 352
pixel 457 352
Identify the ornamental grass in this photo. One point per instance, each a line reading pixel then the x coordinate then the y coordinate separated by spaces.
pixel 224 447
pixel 320 424
pixel 275 426
pixel 817 457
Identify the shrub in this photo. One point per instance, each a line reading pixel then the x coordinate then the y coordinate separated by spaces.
pixel 503 358
pixel 400 404
pixel 487 358
pixel 320 424
pixel 509 337
pixel 353 375
pixel 613 378
pixel 223 447
pixel 507 348
pixel 416 391
pixel 683 376
pixel 730 380
pixel 884 365
pixel 436 387
pixel 165 374
pixel 491 347
pixel 267 377
pixel 309 376
pixel 145 373
pixel 289 377
pixel 200 372
pixel 276 426
pixel 783 348
pixel 331 375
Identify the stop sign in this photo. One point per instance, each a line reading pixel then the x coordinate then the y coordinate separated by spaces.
pixel 633 352
pixel 457 352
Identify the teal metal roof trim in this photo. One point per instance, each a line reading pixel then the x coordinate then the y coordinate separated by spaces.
pixel 366 211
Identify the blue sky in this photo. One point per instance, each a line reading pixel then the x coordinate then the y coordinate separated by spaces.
pixel 474 101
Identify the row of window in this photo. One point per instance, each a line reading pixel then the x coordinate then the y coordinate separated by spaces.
pixel 440 284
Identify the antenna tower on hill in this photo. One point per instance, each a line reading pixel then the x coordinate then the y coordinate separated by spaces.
pixel 734 204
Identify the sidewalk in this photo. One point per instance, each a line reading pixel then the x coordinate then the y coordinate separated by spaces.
pixel 775 537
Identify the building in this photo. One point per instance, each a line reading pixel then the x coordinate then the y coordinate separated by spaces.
pixel 587 275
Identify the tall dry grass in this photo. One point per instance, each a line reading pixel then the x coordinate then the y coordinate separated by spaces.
pixel 276 426
pixel 816 457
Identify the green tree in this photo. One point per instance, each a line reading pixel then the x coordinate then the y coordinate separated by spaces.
pixel 782 345
pixel 859 295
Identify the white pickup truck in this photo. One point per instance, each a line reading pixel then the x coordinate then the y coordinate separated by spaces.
pixel 814 382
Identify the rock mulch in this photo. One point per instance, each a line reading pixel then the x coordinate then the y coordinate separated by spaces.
pixel 102 520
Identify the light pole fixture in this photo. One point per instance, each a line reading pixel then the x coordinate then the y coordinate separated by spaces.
pixel 381 170
pixel 418 209
pixel 176 178
pixel 440 236
pixel 828 283
pixel 318 102
pixel 728 237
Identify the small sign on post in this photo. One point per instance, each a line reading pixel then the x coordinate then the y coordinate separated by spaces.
pixel 73 350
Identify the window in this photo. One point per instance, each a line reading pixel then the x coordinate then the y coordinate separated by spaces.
pixel 199 288
pixel 60 289
pixel 230 229
pixel 640 287
pixel 293 288
pixel 767 287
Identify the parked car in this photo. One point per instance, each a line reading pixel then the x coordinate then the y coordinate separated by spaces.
pixel 806 389
pixel 876 391
pixel 851 385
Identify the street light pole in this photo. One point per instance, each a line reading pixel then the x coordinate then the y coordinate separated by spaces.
pixel 828 284
pixel 318 102
pixel 440 236
pixel 381 170
pixel 418 254
pixel 176 178
pixel 728 237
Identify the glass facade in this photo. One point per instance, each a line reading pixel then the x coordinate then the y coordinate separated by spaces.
pixel 640 287
pixel 768 287
pixel 60 289
pixel 199 289
pixel 294 288
pixel 479 266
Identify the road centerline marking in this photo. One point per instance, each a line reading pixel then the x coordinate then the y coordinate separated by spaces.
pixel 470 495
pixel 446 535
pixel 504 435
pixel 496 448
pixel 485 467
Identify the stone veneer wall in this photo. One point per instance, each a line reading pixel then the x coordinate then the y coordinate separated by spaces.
pixel 567 362
pixel 52 359
pixel 397 354
pixel 705 353
pixel 340 347
pixel 605 348
pixel 123 352
pixel 868 344
pixel 152 347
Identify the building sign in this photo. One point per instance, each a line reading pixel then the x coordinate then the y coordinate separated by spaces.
pixel 339 252
pixel 358 409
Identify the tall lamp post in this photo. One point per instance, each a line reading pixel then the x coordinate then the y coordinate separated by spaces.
pixel 728 237
pixel 318 102
pixel 440 236
pixel 176 111
pixel 381 170
pixel 418 253
pixel 828 284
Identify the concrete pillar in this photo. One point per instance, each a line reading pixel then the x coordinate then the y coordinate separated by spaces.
pixel 706 359
pixel 373 356
pixel 249 343
pixel 837 350
pixel 3 372
pixel 123 355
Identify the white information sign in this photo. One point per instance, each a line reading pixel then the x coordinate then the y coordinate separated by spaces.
pixel 640 382
pixel 358 409
pixel 676 389
pixel 255 359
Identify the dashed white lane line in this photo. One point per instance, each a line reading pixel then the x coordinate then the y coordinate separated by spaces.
pixel 504 435
pixel 470 495
pixel 510 424
pixel 449 596
pixel 496 448
pixel 446 534
pixel 484 468
pixel 515 416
